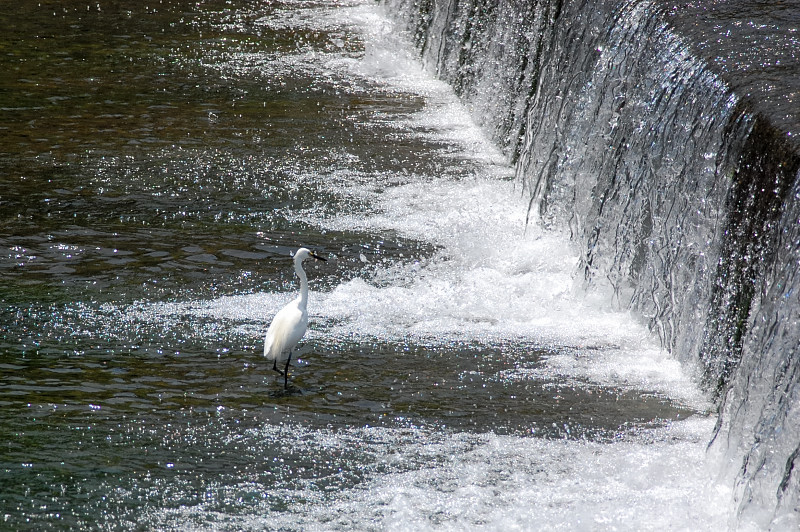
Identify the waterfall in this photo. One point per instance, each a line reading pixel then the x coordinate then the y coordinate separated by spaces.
pixel 679 187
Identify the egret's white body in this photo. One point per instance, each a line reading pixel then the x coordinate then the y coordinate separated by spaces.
pixel 290 323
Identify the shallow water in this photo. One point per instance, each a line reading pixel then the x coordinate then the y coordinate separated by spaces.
pixel 160 163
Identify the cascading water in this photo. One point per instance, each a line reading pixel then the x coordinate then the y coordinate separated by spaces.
pixel 663 135
pixel 159 161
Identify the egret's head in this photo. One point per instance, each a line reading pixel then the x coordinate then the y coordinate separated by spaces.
pixel 304 253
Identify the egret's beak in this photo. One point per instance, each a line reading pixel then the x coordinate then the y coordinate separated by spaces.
pixel 317 257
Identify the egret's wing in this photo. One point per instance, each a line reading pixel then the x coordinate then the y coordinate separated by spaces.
pixel 285 331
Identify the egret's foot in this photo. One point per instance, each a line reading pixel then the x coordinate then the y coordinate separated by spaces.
pixel 293 390
pixel 286 392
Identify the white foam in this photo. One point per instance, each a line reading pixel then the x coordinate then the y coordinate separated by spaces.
pixel 507 483
pixel 417 480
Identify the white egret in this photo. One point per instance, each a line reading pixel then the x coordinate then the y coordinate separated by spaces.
pixel 290 323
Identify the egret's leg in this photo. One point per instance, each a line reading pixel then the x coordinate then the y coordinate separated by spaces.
pixel 286 372
pixel 275 366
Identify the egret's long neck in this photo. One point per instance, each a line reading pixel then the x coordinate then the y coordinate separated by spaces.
pixel 298 269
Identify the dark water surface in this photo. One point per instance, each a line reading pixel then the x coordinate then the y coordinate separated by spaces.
pixel 154 146
pixel 171 151
pixel 755 46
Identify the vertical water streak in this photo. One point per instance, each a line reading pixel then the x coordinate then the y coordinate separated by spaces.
pixel 636 162
pixel 757 434
pixel 489 52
